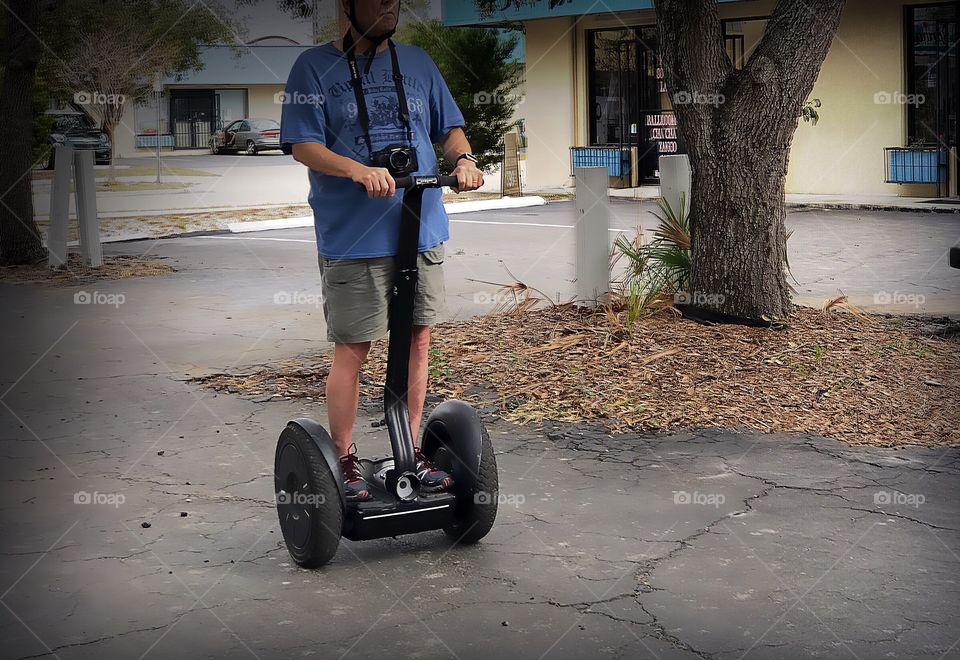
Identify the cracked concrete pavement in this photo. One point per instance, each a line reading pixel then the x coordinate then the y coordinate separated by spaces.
pixel 705 543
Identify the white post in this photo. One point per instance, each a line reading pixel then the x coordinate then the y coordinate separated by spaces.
pixel 591 234
pixel 675 181
pixel 87 208
pixel 60 205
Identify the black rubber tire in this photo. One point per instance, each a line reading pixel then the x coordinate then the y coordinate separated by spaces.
pixel 475 517
pixel 251 148
pixel 325 525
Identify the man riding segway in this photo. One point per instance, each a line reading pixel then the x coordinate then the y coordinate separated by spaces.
pixel 364 110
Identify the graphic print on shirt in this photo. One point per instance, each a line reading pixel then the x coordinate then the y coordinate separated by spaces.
pixel 383 108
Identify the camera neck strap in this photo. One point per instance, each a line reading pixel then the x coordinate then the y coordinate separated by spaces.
pixel 357 82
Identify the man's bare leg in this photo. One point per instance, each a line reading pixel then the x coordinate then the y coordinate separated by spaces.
pixel 343 392
pixel 417 379
pixel 432 478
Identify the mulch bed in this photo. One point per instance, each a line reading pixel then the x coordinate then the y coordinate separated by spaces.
pixel 864 379
pixel 115 267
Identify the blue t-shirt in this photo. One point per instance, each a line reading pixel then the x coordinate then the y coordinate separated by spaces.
pixel 320 106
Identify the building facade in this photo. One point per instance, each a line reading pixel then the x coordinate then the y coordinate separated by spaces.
pixel 234 83
pixel 890 80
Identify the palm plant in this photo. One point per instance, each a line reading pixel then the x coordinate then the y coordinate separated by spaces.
pixel 658 270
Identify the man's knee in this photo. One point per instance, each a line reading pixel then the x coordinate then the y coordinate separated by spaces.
pixel 351 356
pixel 420 339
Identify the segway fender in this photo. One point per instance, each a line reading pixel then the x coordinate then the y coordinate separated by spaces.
pixel 324 443
pixel 457 425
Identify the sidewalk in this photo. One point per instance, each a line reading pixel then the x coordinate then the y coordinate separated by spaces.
pixel 801 200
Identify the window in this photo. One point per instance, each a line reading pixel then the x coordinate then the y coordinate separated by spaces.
pixel 741 37
pixel 613 80
pixel 933 75
pixel 145 115
pixel 628 104
pixel 231 104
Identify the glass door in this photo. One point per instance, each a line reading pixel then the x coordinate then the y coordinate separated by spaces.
pixel 191 116
pixel 658 131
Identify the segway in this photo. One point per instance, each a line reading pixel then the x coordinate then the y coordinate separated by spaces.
pixel 308 483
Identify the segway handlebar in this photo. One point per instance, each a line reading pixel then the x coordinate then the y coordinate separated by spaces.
pixel 432 181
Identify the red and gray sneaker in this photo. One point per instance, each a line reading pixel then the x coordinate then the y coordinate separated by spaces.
pixel 355 487
pixel 431 479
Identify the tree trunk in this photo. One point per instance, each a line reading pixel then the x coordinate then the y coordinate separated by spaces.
pixel 738 126
pixel 19 237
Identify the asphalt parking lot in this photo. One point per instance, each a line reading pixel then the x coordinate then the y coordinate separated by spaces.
pixel 138 521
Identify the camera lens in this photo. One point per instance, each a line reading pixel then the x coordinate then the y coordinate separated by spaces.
pixel 399 160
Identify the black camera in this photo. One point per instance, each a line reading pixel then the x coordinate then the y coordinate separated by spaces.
pixel 399 159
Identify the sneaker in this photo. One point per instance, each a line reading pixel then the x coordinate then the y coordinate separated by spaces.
pixel 431 479
pixel 355 487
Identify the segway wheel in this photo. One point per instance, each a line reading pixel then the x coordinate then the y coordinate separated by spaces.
pixel 308 502
pixel 477 509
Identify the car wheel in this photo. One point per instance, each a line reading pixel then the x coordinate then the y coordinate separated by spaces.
pixel 251 148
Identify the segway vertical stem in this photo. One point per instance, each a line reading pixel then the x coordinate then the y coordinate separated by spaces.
pixel 395 406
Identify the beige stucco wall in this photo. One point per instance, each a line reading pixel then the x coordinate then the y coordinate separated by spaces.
pixel 124 142
pixel 842 154
pixel 548 107
pixel 261 103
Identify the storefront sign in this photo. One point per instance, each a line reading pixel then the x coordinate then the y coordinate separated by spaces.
pixel 510 179
pixel 663 132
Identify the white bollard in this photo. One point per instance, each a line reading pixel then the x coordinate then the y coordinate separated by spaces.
pixel 59 206
pixel 675 181
pixel 591 234
pixel 86 186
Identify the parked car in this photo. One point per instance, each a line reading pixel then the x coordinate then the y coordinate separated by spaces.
pixel 79 130
pixel 248 135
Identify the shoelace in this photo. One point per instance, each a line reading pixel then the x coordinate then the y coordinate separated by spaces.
pixel 348 463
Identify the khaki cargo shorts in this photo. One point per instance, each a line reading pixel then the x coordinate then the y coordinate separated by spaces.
pixel 356 295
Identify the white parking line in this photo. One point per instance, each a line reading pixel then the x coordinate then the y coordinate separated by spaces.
pixel 452 221
pixel 258 238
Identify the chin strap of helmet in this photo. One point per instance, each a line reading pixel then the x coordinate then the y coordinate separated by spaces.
pixel 375 40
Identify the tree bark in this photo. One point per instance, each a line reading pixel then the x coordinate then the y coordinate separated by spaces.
pixel 20 241
pixel 738 126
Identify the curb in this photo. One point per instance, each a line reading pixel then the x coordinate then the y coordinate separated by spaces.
pixel 452 209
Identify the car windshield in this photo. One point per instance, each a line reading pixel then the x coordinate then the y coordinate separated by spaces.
pixel 71 123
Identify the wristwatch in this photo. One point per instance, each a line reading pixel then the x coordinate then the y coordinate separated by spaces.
pixel 469 156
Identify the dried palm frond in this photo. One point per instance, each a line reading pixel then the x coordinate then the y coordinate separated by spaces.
pixel 843 302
